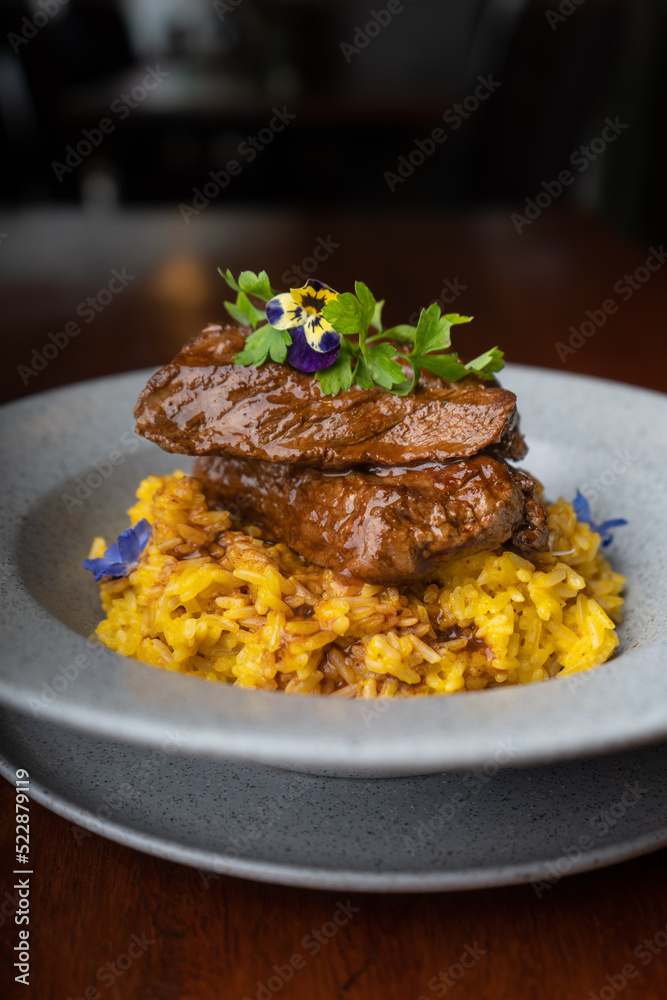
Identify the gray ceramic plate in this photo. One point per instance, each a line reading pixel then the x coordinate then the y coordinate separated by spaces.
pixel 70 466
pixel 435 832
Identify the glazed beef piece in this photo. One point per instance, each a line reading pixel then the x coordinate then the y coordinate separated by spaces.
pixel 386 526
pixel 201 403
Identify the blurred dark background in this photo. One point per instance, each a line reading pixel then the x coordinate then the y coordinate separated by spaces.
pixel 563 66
pixel 117 116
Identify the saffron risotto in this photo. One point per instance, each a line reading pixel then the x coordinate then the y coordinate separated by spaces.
pixel 210 597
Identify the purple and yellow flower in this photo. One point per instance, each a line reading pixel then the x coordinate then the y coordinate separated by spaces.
pixel 315 343
pixel 582 509
pixel 121 558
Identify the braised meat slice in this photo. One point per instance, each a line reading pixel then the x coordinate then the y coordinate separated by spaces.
pixel 386 526
pixel 203 404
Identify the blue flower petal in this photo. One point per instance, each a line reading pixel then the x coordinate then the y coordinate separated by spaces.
pixel 301 355
pixel 582 509
pixel 128 546
pixel 606 525
pixel 121 557
pixel 604 532
pixel 143 529
pixel 103 567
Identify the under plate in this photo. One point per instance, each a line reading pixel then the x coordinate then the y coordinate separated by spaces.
pixel 439 832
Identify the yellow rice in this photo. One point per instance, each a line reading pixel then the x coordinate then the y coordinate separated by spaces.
pixel 209 597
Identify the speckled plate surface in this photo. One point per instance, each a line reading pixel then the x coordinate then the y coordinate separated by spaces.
pixel 70 467
pixel 446 831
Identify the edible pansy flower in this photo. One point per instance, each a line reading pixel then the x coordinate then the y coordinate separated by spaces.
pixel 315 343
pixel 582 509
pixel 121 558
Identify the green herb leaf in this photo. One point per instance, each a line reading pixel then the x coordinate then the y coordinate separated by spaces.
pixel 488 363
pixel 376 321
pixel 407 387
pixel 443 338
pixel 244 312
pixel 445 366
pixel 344 314
pixel 402 334
pixel 265 342
pixel 352 314
pixel 229 278
pixel 433 333
pixel 384 370
pixel 428 329
pixel 337 377
pixel 455 318
pixel 237 314
pixel 256 284
pixel 367 301
pixel 362 374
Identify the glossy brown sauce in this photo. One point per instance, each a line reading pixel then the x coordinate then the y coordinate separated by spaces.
pixel 380 488
pixel 201 403
pixel 386 528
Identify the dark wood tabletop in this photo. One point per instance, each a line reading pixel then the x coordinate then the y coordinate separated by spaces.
pixel 566 292
pixel 539 293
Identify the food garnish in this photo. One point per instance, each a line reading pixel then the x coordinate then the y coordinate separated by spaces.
pixel 340 336
pixel 315 343
pixel 121 558
pixel 582 509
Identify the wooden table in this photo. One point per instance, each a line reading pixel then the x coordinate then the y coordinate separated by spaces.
pixel 222 940
pixel 529 291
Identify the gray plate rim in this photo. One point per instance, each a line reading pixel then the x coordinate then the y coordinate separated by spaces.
pixel 484 877
pixel 407 738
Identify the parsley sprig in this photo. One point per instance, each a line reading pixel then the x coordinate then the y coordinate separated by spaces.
pixel 265 342
pixel 372 360
pixel 368 354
